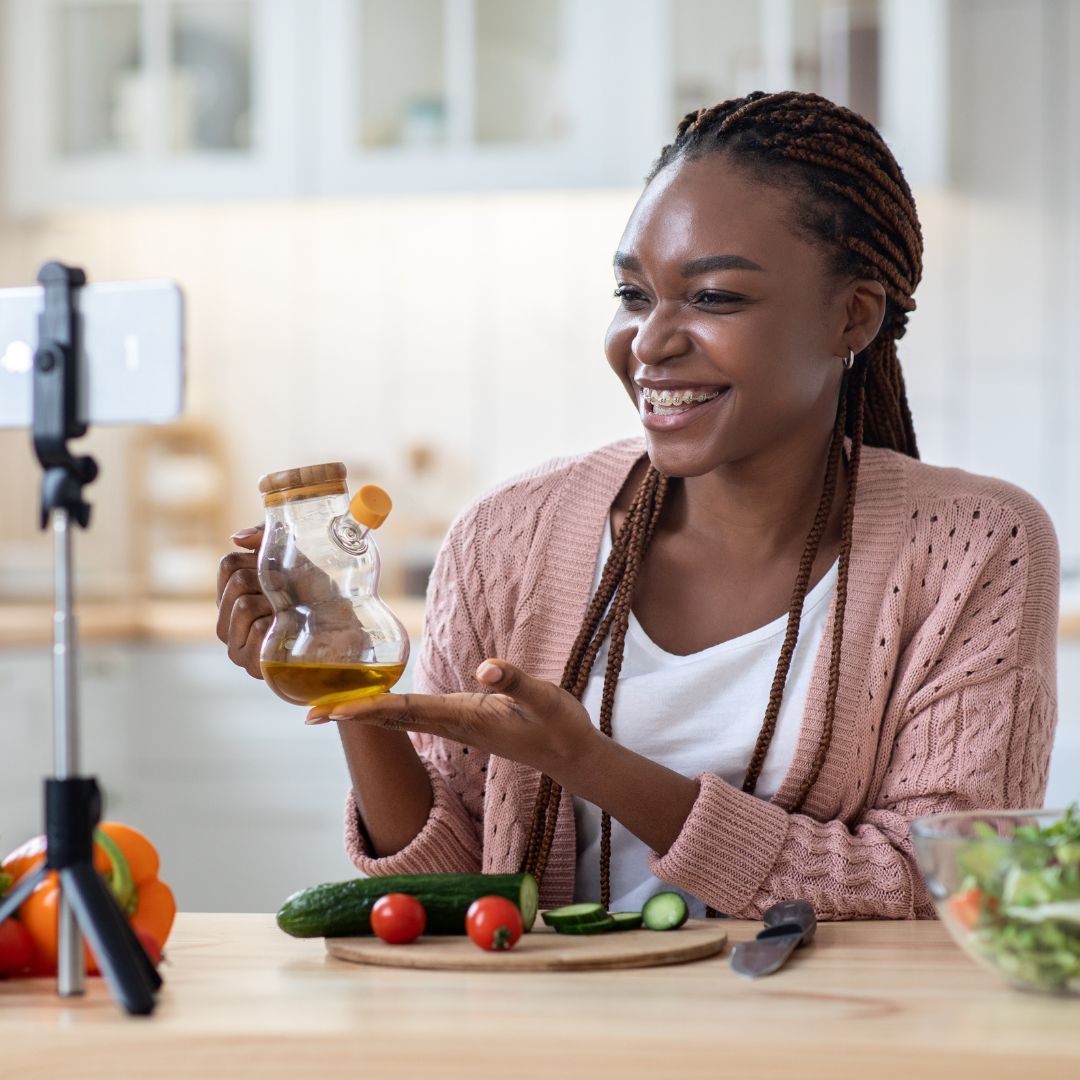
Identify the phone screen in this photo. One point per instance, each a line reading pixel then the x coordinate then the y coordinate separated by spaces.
pixel 132 362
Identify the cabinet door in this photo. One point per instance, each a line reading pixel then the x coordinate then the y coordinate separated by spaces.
pixel 428 95
pixel 114 100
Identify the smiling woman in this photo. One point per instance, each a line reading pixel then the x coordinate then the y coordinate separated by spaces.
pixel 758 642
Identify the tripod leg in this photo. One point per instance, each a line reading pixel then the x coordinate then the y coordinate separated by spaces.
pixel 150 973
pixel 91 900
pixel 21 891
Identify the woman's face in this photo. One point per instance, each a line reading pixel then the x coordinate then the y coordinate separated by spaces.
pixel 721 300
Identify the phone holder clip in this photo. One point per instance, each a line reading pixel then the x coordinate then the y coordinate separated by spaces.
pixel 57 396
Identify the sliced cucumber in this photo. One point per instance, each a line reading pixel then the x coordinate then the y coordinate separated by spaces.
pixel 574 915
pixel 598 926
pixel 665 911
pixel 626 920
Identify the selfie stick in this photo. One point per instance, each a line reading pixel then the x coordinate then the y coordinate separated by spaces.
pixel 73 802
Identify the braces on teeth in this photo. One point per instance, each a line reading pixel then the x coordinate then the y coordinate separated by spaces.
pixel 666 397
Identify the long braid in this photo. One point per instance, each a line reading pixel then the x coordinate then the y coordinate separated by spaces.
pixel 583 653
pixel 852 199
pixel 859 383
pixel 802 581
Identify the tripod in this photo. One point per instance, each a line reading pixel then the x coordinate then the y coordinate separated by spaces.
pixel 73 802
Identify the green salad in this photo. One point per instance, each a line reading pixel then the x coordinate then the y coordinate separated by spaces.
pixel 1019 901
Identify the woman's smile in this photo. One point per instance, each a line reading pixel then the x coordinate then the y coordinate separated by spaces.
pixel 665 410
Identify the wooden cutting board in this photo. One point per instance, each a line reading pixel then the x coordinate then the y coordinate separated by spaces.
pixel 544 950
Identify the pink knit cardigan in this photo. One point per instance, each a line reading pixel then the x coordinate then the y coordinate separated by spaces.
pixel 946 701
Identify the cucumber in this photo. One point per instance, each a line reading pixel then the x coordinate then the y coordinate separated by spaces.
pixel 574 915
pixel 343 908
pixel 626 920
pixel 665 911
pixel 597 926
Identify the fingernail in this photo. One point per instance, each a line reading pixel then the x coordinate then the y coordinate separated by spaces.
pixel 489 672
pixel 243 534
pixel 317 719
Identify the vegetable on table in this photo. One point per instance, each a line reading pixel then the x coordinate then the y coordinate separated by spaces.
pixel 574 915
pixel 398 918
pixel 344 908
pixel 127 860
pixel 591 918
pixel 493 923
pixel 1018 905
pixel 665 911
pixel 16 948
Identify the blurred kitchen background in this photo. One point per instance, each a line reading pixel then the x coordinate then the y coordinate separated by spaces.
pixel 393 221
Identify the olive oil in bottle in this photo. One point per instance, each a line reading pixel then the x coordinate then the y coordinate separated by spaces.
pixel 327 684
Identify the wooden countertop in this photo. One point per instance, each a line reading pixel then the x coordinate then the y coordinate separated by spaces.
pixel 867 1000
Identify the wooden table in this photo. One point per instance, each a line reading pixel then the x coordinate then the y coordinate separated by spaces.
pixel 867 1000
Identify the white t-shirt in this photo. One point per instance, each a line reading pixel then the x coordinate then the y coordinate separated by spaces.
pixel 693 714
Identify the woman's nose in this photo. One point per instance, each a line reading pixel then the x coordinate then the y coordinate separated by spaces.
pixel 659 336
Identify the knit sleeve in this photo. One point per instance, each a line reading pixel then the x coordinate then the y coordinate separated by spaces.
pixel 970 726
pixel 989 746
pixel 742 854
pixel 455 641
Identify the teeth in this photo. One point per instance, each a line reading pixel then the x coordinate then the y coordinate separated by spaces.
pixel 679 397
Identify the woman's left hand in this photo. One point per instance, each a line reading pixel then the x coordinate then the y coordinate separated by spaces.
pixel 528 720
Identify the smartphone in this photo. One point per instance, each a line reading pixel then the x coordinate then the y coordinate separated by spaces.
pixel 132 357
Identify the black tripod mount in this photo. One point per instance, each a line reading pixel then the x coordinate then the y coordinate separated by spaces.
pixel 73 802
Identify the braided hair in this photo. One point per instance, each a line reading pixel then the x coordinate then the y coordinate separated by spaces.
pixel 851 200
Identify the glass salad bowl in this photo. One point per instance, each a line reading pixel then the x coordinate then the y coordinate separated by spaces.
pixel 1006 884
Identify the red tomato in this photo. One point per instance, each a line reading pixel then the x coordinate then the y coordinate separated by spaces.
pixel 16 947
pixel 398 918
pixel 493 922
pixel 966 907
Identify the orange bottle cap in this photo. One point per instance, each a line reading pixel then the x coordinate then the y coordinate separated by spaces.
pixel 370 506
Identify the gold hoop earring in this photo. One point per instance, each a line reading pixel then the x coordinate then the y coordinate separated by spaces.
pixel 849 360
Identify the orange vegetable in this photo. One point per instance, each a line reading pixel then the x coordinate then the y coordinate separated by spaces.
pixel 967 906
pixel 128 862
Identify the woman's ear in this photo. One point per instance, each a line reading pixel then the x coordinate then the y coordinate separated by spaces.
pixel 864 309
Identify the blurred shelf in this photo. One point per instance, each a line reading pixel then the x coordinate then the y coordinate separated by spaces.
pixel 162 621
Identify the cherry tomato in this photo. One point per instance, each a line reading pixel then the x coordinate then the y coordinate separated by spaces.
pixel 967 907
pixel 16 947
pixel 398 918
pixel 493 922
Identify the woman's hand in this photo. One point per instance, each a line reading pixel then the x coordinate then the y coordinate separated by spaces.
pixel 244 613
pixel 528 720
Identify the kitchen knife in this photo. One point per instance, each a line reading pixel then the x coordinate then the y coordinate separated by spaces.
pixel 787 926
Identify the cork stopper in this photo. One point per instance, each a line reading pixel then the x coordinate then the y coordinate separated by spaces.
pixel 370 506
pixel 307 482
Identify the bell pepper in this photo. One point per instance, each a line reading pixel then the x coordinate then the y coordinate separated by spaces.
pixel 129 864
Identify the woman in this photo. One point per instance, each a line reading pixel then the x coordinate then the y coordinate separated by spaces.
pixel 708 741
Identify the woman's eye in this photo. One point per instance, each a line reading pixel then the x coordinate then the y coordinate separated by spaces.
pixel 627 293
pixel 712 296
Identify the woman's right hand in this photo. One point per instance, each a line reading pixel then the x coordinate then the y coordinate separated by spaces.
pixel 244 612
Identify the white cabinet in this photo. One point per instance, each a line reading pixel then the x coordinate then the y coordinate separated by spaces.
pixel 431 95
pixel 130 100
